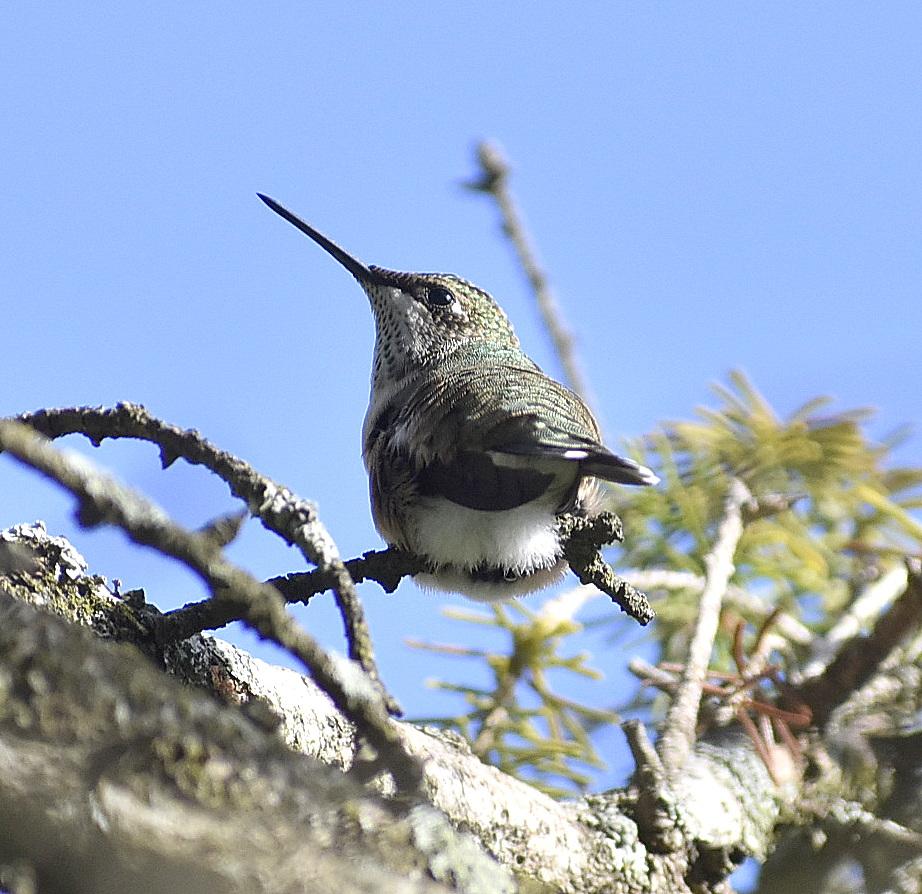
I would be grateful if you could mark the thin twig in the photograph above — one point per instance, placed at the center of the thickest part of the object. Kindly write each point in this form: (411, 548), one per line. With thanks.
(279, 509)
(387, 567)
(872, 602)
(494, 180)
(498, 713)
(681, 720)
(101, 500)
(653, 674)
(860, 657)
(582, 539)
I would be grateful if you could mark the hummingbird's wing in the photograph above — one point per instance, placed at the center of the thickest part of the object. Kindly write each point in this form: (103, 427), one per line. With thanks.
(494, 432)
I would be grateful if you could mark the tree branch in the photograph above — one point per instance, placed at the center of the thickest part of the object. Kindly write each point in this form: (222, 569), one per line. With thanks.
(386, 567)
(861, 656)
(870, 605)
(115, 777)
(582, 539)
(681, 720)
(102, 501)
(494, 180)
(588, 846)
(281, 511)
(750, 603)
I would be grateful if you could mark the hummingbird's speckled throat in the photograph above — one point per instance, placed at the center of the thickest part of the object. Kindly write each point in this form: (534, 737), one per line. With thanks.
(471, 450)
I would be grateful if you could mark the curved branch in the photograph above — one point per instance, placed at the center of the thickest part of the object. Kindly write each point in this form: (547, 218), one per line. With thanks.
(116, 777)
(67, 699)
(582, 539)
(103, 501)
(279, 509)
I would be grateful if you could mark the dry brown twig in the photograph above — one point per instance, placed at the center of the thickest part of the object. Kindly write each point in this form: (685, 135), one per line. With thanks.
(493, 180)
(770, 721)
(689, 682)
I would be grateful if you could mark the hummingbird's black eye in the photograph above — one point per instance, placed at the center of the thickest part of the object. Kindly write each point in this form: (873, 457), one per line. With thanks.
(439, 296)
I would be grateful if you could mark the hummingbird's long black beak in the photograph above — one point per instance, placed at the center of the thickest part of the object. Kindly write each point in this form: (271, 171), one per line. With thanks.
(351, 263)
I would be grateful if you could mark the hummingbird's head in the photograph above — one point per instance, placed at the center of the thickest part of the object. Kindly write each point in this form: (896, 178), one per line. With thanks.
(419, 317)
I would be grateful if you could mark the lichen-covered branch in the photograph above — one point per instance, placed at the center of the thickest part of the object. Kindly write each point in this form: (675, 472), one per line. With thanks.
(103, 501)
(675, 832)
(114, 778)
(659, 835)
(281, 511)
(582, 539)
(588, 846)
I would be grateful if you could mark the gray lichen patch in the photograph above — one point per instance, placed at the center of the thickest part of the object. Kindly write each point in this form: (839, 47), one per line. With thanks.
(116, 761)
(49, 573)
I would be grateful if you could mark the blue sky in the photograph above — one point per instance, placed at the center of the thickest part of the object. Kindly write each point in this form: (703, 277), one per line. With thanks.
(711, 186)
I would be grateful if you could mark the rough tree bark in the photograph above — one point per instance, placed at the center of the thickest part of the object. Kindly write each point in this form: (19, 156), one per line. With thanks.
(114, 776)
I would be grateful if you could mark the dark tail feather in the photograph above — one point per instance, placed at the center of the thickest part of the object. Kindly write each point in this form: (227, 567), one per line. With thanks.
(618, 469)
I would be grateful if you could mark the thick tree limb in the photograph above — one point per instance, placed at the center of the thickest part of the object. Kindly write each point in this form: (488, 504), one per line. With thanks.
(587, 846)
(102, 501)
(723, 806)
(682, 836)
(281, 511)
(115, 778)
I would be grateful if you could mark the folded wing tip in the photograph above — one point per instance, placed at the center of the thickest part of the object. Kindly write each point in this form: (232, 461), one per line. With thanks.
(621, 470)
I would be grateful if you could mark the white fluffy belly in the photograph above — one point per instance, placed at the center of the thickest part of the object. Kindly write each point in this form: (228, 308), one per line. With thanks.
(521, 539)
(495, 554)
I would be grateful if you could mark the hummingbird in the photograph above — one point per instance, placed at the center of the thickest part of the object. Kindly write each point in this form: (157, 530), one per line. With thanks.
(472, 452)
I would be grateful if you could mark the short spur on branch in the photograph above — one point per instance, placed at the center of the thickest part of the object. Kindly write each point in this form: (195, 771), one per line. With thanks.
(472, 451)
